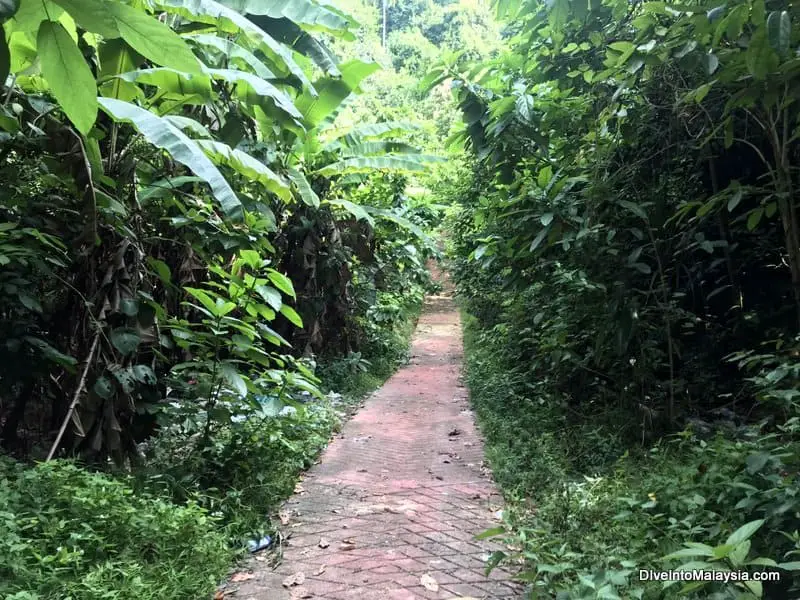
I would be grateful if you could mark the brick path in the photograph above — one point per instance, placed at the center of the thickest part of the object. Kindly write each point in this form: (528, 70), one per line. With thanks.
(398, 497)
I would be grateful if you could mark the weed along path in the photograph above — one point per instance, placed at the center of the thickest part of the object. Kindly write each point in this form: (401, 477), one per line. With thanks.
(392, 509)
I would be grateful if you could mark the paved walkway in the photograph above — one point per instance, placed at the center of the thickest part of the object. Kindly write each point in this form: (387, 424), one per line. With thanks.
(392, 509)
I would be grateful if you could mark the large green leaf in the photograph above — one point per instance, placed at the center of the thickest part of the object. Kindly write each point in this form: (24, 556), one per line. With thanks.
(92, 15)
(366, 164)
(32, 12)
(254, 90)
(303, 187)
(306, 13)
(234, 52)
(187, 124)
(164, 135)
(172, 81)
(289, 33)
(779, 31)
(377, 148)
(228, 20)
(246, 165)
(116, 57)
(153, 39)
(68, 75)
(332, 92)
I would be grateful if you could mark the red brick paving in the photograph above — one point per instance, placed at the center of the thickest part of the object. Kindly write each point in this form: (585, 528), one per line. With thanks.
(400, 494)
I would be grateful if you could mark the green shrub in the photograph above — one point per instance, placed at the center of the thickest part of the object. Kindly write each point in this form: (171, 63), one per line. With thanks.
(245, 470)
(69, 534)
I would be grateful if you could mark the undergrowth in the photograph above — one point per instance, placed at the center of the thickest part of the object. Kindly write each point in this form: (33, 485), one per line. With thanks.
(68, 534)
(171, 529)
(582, 525)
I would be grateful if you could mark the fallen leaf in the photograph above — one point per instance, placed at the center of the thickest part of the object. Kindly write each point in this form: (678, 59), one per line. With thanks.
(298, 489)
(296, 579)
(285, 517)
(320, 571)
(347, 546)
(454, 432)
(323, 543)
(429, 583)
(237, 577)
(220, 595)
(298, 594)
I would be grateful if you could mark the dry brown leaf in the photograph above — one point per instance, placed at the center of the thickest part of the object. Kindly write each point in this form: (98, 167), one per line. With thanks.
(296, 579)
(429, 583)
(220, 595)
(323, 543)
(242, 576)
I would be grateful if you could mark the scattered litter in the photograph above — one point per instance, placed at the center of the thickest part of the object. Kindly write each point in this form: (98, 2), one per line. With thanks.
(429, 583)
(257, 545)
(238, 577)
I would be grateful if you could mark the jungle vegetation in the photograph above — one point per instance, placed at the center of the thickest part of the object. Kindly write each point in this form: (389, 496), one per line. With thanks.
(214, 224)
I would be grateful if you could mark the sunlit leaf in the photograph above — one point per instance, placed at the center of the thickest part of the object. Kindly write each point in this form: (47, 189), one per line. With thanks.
(68, 75)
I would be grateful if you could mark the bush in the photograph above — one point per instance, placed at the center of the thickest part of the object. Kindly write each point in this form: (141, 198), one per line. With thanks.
(585, 525)
(69, 534)
(245, 470)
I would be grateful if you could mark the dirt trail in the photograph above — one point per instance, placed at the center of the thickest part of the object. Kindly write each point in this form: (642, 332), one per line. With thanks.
(392, 509)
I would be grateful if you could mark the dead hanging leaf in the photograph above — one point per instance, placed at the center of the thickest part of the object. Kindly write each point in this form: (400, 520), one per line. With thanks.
(296, 579)
(242, 577)
(429, 583)
(285, 517)
(323, 543)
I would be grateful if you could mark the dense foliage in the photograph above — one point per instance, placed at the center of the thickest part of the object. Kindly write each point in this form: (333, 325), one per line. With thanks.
(197, 245)
(627, 252)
